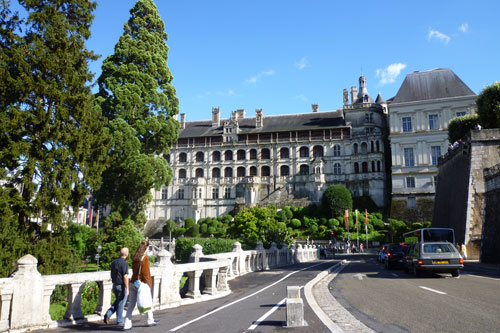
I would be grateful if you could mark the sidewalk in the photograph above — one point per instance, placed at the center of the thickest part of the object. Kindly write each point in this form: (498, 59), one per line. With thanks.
(476, 266)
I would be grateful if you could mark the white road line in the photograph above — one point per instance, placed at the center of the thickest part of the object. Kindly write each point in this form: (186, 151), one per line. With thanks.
(267, 314)
(481, 277)
(394, 274)
(433, 290)
(241, 299)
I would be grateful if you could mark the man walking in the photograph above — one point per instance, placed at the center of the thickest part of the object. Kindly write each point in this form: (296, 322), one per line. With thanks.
(119, 276)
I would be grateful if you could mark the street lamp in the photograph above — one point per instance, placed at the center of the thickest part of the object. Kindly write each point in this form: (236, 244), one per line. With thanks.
(98, 256)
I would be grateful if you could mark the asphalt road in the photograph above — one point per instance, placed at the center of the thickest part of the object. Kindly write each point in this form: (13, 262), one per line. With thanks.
(253, 295)
(393, 301)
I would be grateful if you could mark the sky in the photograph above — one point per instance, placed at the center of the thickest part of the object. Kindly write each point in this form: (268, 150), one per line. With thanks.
(282, 56)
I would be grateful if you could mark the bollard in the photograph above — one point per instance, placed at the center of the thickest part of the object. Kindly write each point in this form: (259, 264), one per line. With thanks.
(294, 307)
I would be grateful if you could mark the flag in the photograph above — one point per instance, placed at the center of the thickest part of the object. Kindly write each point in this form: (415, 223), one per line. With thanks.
(90, 216)
(346, 219)
(366, 220)
(356, 226)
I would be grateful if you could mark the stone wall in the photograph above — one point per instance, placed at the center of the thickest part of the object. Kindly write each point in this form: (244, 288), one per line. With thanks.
(490, 244)
(421, 213)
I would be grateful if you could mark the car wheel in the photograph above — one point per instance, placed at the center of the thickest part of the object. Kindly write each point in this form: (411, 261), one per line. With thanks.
(455, 273)
(416, 271)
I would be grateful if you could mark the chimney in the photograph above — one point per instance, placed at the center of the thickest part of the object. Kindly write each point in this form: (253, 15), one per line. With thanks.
(259, 119)
(315, 107)
(234, 115)
(216, 117)
(354, 94)
(346, 97)
(183, 120)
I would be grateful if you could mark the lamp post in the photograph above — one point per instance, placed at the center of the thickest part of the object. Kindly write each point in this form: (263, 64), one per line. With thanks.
(98, 256)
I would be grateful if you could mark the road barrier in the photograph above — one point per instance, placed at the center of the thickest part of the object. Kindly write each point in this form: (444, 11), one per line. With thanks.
(294, 307)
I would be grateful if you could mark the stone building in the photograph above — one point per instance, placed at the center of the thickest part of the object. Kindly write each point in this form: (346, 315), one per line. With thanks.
(419, 115)
(490, 243)
(220, 164)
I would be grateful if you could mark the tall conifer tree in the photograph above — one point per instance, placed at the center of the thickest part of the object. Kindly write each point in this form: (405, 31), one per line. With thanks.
(53, 140)
(140, 102)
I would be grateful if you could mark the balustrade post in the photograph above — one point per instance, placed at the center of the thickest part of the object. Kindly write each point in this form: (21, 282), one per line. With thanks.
(222, 284)
(74, 309)
(105, 289)
(293, 253)
(298, 254)
(262, 251)
(284, 252)
(47, 293)
(168, 281)
(211, 281)
(194, 284)
(197, 253)
(274, 251)
(5, 301)
(241, 259)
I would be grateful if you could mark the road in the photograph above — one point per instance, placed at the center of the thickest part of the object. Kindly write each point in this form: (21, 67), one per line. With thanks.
(253, 295)
(393, 301)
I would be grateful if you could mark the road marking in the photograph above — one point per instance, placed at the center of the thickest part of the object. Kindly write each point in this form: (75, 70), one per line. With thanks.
(394, 274)
(241, 299)
(481, 277)
(267, 314)
(359, 276)
(433, 290)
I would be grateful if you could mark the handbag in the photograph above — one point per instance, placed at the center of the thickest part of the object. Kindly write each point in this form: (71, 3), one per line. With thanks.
(144, 299)
(137, 283)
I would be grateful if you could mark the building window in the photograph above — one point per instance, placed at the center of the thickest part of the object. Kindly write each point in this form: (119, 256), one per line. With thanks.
(364, 148)
(355, 148)
(215, 193)
(182, 173)
(253, 154)
(227, 193)
(228, 172)
(410, 182)
(182, 157)
(409, 159)
(304, 170)
(435, 180)
(369, 117)
(436, 153)
(228, 155)
(412, 202)
(304, 152)
(378, 166)
(377, 144)
(373, 166)
(407, 124)
(356, 167)
(336, 150)
(200, 192)
(215, 173)
(265, 171)
(433, 122)
(240, 172)
(284, 170)
(253, 171)
(240, 155)
(337, 169)
(216, 156)
(461, 114)
(284, 153)
(199, 173)
(164, 193)
(364, 166)
(265, 154)
(180, 193)
(199, 156)
(317, 151)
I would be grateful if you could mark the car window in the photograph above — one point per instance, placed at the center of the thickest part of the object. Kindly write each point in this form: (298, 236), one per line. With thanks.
(398, 248)
(438, 248)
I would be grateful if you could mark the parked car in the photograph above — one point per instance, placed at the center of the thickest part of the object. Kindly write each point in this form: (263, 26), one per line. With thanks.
(437, 257)
(381, 253)
(395, 255)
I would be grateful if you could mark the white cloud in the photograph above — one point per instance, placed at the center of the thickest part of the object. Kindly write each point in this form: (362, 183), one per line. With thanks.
(302, 63)
(229, 92)
(300, 97)
(464, 27)
(390, 73)
(439, 35)
(259, 76)
(203, 95)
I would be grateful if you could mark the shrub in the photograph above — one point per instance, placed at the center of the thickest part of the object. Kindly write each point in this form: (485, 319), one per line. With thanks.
(295, 223)
(184, 246)
(336, 199)
(178, 232)
(212, 230)
(188, 223)
(169, 226)
(204, 228)
(460, 126)
(488, 106)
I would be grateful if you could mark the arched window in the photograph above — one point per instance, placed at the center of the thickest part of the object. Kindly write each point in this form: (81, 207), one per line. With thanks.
(356, 167)
(240, 155)
(355, 148)
(378, 166)
(373, 166)
(265, 171)
(253, 171)
(336, 150)
(182, 157)
(284, 170)
(228, 155)
(378, 146)
(337, 169)
(182, 173)
(199, 156)
(253, 154)
(228, 172)
(365, 167)
(240, 172)
(364, 148)
(317, 151)
(304, 170)
(317, 170)
(215, 173)
(265, 154)
(199, 173)
(372, 146)
(304, 152)
(284, 153)
(216, 156)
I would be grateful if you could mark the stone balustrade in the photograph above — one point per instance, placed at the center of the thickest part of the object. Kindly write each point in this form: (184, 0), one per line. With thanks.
(25, 296)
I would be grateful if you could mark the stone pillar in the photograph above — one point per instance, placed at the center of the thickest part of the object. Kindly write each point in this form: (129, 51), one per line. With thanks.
(197, 253)
(274, 250)
(74, 309)
(105, 289)
(294, 307)
(211, 281)
(27, 295)
(222, 285)
(298, 254)
(242, 269)
(263, 260)
(194, 284)
(168, 280)
(293, 253)
(47, 293)
(5, 301)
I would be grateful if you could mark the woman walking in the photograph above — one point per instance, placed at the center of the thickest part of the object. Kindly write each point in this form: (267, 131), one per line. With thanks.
(140, 271)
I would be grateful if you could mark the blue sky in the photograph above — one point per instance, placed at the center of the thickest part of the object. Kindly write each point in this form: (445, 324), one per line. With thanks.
(283, 56)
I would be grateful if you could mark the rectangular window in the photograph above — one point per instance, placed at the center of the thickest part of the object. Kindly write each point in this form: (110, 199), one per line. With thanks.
(433, 122)
(407, 124)
(436, 153)
(412, 202)
(227, 193)
(164, 193)
(409, 159)
(180, 193)
(215, 193)
(461, 114)
(410, 182)
(369, 117)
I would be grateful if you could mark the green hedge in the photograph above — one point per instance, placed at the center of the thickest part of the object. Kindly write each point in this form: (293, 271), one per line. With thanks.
(460, 126)
(184, 246)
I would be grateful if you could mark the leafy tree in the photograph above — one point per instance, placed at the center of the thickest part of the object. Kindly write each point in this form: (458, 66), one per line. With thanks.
(189, 223)
(53, 140)
(460, 126)
(81, 239)
(295, 223)
(336, 199)
(488, 106)
(169, 227)
(114, 238)
(139, 100)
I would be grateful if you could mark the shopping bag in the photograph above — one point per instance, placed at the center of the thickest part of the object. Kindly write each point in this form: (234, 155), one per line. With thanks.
(144, 299)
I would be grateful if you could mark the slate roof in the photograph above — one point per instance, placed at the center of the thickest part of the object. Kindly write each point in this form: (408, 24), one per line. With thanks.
(379, 99)
(434, 84)
(280, 123)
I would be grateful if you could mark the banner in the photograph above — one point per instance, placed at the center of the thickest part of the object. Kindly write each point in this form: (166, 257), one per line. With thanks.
(356, 226)
(346, 219)
(366, 220)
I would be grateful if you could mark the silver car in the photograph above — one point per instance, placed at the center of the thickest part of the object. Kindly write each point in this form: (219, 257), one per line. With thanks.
(437, 257)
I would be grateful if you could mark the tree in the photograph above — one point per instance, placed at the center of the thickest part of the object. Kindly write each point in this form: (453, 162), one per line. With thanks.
(460, 126)
(53, 141)
(336, 199)
(488, 106)
(137, 97)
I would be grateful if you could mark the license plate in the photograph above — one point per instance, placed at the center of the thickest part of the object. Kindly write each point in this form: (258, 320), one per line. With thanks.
(441, 262)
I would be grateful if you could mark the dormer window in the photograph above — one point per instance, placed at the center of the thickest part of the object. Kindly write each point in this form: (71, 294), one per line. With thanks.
(365, 99)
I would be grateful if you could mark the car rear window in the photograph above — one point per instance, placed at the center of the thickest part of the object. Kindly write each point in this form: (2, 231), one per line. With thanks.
(398, 248)
(438, 248)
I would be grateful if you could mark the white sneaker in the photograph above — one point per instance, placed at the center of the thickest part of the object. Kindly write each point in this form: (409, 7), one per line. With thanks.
(127, 325)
